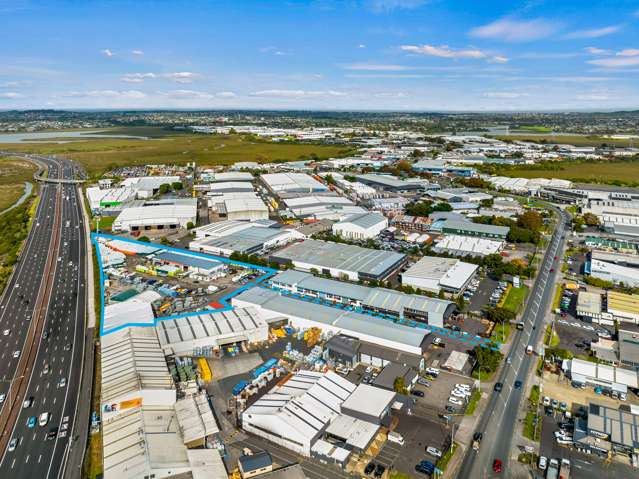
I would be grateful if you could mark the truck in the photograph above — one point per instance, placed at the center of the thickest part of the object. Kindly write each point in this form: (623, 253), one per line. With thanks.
(553, 469)
(564, 469)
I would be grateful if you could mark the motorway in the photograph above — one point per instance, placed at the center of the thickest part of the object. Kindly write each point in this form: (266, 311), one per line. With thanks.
(499, 420)
(43, 308)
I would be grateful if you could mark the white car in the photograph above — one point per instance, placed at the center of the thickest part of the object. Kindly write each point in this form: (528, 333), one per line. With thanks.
(458, 394)
(463, 392)
(43, 419)
(6, 332)
(543, 463)
(455, 401)
(587, 327)
(12, 444)
(62, 382)
(434, 451)
(2, 398)
(16, 354)
(462, 386)
(546, 401)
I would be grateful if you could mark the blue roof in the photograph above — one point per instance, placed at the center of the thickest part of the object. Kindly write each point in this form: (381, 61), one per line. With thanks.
(188, 260)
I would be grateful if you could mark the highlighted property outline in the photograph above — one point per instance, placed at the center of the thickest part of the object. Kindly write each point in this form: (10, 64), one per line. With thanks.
(224, 300)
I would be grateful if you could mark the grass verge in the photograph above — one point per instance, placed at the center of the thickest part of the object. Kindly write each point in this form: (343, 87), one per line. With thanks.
(448, 455)
(473, 402)
(552, 341)
(529, 426)
(14, 228)
(93, 463)
(515, 298)
(501, 333)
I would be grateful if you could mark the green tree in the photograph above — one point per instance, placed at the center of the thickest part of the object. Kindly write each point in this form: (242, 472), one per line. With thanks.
(591, 219)
(399, 385)
(177, 186)
(144, 239)
(190, 225)
(164, 188)
(531, 220)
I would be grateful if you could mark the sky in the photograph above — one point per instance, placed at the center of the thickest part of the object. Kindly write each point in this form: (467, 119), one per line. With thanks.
(405, 55)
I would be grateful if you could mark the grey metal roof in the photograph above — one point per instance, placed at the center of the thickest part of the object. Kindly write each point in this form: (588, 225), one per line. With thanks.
(322, 285)
(341, 256)
(246, 239)
(479, 227)
(391, 371)
(255, 461)
(390, 300)
(364, 220)
(188, 260)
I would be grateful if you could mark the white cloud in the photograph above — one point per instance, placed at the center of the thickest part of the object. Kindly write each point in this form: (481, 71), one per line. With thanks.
(385, 6)
(386, 75)
(504, 94)
(513, 30)
(361, 45)
(297, 93)
(628, 52)
(272, 51)
(498, 59)
(131, 94)
(225, 94)
(593, 97)
(137, 52)
(390, 94)
(10, 84)
(597, 51)
(10, 95)
(593, 33)
(107, 52)
(616, 62)
(188, 94)
(178, 77)
(444, 51)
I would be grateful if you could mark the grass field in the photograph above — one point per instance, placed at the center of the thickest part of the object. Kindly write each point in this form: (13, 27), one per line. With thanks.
(623, 172)
(577, 140)
(532, 128)
(515, 299)
(100, 155)
(13, 173)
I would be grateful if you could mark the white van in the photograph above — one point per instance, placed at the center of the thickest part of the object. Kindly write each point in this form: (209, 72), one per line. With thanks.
(396, 438)
(44, 419)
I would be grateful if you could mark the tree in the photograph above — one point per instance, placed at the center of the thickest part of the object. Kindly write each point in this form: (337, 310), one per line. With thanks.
(190, 225)
(531, 220)
(329, 179)
(488, 358)
(500, 315)
(164, 188)
(177, 186)
(591, 219)
(443, 206)
(399, 385)
(144, 239)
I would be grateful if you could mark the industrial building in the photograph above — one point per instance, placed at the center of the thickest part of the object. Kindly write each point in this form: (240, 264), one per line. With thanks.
(390, 205)
(350, 351)
(612, 379)
(304, 315)
(110, 198)
(148, 186)
(436, 274)
(226, 176)
(206, 267)
(612, 272)
(282, 184)
(374, 300)
(340, 260)
(618, 307)
(226, 237)
(467, 246)
(225, 187)
(319, 414)
(210, 331)
(392, 183)
(361, 226)
(609, 430)
(154, 215)
(628, 343)
(468, 228)
(327, 206)
(411, 223)
(242, 207)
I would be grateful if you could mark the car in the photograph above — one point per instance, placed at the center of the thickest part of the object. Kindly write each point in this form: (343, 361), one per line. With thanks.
(68, 347)
(509, 360)
(62, 383)
(43, 420)
(6, 332)
(451, 409)
(370, 467)
(13, 444)
(16, 354)
(379, 470)
(498, 387)
(563, 406)
(555, 404)
(458, 394)
(52, 434)
(456, 401)
(31, 422)
(2, 398)
(423, 382)
(477, 437)
(45, 370)
(552, 270)
(564, 441)
(27, 402)
(548, 410)
(418, 393)
(462, 386)
(517, 384)
(546, 401)
(433, 451)
(543, 463)
(424, 469)
(497, 465)
(587, 327)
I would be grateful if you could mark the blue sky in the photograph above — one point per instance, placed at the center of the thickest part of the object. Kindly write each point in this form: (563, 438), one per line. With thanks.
(422, 55)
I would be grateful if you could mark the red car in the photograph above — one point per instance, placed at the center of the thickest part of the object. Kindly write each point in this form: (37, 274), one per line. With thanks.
(497, 465)
(552, 270)
(555, 257)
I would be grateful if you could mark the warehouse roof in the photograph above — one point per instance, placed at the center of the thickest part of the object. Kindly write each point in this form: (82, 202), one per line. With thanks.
(188, 260)
(389, 181)
(602, 372)
(147, 183)
(449, 272)
(243, 204)
(369, 400)
(231, 185)
(363, 220)
(195, 417)
(623, 303)
(469, 245)
(132, 247)
(230, 176)
(119, 314)
(308, 281)
(156, 210)
(355, 432)
(284, 182)
(391, 300)
(589, 302)
(621, 424)
(132, 360)
(249, 239)
(348, 322)
(341, 256)
(479, 227)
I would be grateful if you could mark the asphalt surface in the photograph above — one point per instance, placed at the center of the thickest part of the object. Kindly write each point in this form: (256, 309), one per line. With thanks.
(64, 322)
(499, 420)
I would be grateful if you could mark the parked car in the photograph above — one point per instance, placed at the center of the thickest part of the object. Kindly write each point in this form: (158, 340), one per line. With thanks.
(497, 465)
(418, 393)
(434, 451)
(370, 467)
(498, 387)
(543, 463)
(455, 401)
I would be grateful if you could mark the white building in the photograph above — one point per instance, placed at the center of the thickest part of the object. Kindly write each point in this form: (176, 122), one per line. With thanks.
(242, 208)
(108, 197)
(282, 183)
(169, 214)
(361, 226)
(458, 245)
(435, 274)
(613, 272)
(147, 186)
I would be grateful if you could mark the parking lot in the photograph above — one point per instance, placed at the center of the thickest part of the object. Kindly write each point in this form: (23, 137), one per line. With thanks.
(433, 404)
(481, 297)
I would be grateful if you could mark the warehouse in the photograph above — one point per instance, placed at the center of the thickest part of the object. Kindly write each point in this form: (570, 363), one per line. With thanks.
(241, 237)
(410, 306)
(327, 206)
(210, 331)
(612, 272)
(610, 378)
(350, 352)
(137, 309)
(148, 186)
(441, 167)
(282, 184)
(319, 414)
(108, 198)
(247, 208)
(341, 260)
(436, 274)
(467, 228)
(169, 214)
(305, 315)
(464, 245)
(226, 176)
(611, 429)
(361, 226)
(190, 263)
(226, 187)
(390, 205)
(392, 183)
(623, 307)
(589, 308)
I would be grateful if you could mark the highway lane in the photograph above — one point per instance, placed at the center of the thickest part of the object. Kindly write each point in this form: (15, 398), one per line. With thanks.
(499, 421)
(61, 351)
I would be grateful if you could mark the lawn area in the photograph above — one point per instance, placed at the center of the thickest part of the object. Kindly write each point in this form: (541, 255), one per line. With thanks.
(548, 341)
(529, 426)
(13, 173)
(445, 459)
(557, 297)
(501, 333)
(100, 155)
(104, 223)
(577, 140)
(14, 228)
(533, 128)
(473, 402)
(515, 298)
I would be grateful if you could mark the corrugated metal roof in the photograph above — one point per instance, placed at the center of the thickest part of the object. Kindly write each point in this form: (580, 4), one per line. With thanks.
(364, 220)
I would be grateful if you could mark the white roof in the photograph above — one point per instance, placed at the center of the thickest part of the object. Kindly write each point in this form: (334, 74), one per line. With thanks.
(195, 418)
(230, 185)
(283, 182)
(131, 310)
(159, 211)
(468, 244)
(332, 451)
(603, 372)
(244, 204)
(136, 247)
(456, 361)
(231, 176)
(369, 400)
(356, 432)
(147, 183)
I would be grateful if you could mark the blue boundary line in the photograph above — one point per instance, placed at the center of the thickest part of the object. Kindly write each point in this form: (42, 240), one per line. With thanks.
(224, 300)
